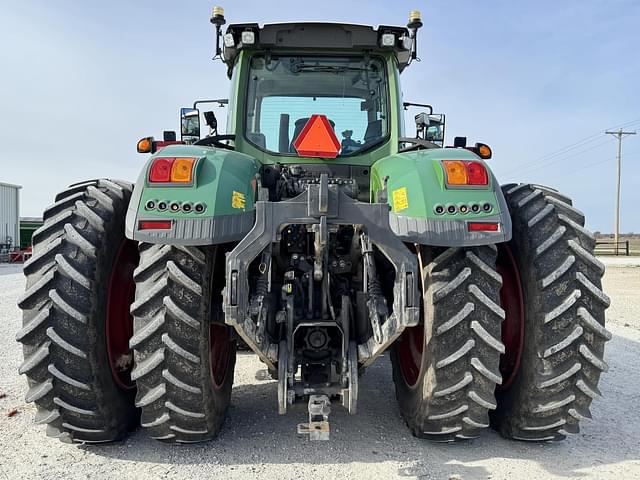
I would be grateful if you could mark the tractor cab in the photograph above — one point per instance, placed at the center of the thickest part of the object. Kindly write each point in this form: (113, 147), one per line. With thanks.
(338, 83)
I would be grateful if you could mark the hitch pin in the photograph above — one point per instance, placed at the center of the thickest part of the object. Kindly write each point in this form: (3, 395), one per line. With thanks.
(318, 426)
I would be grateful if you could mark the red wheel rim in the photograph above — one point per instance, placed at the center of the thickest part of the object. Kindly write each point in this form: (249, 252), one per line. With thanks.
(219, 354)
(410, 352)
(119, 322)
(511, 298)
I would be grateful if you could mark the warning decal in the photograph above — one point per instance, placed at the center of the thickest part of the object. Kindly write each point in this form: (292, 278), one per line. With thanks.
(237, 200)
(400, 200)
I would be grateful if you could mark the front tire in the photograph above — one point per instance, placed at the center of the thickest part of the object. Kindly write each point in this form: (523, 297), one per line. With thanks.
(184, 358)
(446, 369)
(562, 354)
(79, 287)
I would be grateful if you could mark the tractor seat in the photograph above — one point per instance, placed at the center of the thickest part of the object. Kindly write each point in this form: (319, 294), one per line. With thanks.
(299, 125)
(373, 131)
(257, 139)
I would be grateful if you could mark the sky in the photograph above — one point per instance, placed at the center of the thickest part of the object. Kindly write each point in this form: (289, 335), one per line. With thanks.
(540, 82)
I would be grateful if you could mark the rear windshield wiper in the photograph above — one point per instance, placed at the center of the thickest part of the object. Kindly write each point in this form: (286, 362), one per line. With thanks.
(328, 68)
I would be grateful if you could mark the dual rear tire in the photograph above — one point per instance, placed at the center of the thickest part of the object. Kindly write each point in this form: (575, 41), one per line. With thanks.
(79, 337)
(535, 310)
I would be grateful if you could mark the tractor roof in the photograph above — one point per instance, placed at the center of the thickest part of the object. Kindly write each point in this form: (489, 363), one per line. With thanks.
(315, 36)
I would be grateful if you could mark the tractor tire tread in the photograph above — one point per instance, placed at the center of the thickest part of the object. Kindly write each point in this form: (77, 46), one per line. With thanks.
(74, 396)
(170, 342)
(565, 335)
(462, 287)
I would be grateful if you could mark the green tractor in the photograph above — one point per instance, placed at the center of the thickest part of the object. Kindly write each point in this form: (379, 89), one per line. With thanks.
(318, 234)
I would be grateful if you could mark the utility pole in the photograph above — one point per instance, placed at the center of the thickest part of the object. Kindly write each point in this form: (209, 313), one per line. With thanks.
(619, 135)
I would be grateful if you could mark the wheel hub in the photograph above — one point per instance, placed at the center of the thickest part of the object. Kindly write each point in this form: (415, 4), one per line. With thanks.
(219, 354)
(511, 298)
(410, 353)
(119, 322)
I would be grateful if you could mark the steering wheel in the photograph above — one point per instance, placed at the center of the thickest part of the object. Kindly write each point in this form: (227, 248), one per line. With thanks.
(216, 141)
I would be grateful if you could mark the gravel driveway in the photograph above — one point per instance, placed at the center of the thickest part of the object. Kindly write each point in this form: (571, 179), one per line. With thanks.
(258, 443)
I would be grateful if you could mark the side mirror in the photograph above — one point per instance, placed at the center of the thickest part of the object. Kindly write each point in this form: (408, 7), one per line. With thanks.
(422, 123)
(435, 130)
(189, 125)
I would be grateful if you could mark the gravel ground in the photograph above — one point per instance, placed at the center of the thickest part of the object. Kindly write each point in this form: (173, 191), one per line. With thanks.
(258, 443)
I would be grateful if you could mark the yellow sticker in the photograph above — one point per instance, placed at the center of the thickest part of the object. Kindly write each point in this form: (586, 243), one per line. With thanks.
(400, 200)
(237, 200)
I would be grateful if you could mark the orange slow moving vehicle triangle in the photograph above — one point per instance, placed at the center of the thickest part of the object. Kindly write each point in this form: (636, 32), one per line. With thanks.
(317, 139)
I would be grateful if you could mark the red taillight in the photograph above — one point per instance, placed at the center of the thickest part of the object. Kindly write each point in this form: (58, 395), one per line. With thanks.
(483, 227)
(477, 174)
(154, 225)
(160, 171)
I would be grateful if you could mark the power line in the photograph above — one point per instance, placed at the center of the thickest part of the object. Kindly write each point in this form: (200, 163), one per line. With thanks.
(587, 166)
(579, 143)
(620, 134)
(550, 161)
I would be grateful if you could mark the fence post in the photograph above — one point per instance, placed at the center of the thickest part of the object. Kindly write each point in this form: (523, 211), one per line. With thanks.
(627, 248)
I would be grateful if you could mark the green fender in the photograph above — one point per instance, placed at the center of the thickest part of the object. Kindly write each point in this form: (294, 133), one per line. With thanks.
(224, 182)
(415, 186)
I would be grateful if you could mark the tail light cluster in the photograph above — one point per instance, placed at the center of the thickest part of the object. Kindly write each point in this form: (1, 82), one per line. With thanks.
(463, 172)
(178, 170)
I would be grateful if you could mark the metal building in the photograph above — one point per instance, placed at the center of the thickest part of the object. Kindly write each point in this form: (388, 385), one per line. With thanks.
(9, 216)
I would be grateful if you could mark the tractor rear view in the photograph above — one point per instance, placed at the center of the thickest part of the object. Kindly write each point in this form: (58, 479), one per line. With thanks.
(319, 235)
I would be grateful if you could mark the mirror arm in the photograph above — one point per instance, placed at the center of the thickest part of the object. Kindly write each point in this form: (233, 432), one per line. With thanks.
(406, 105)
(220, 101)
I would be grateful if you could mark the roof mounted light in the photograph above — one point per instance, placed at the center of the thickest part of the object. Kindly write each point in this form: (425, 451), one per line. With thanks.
(217, 19)
(415, 19)
(414, 24)
(229, 41)
(387, 40)
(248, 37)
(217, 15)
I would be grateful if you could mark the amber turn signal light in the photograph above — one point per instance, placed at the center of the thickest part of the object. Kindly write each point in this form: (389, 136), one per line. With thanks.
(145, 145)
(483, 151)
(456, 172)
(182, 169)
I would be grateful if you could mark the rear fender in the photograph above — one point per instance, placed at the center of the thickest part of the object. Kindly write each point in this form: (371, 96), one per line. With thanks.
(416, 185)
(224, 182)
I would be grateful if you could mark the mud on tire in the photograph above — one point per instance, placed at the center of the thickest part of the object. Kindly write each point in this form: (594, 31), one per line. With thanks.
(446, 369)
(64, 315)
(184, 386)
(564, 333)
